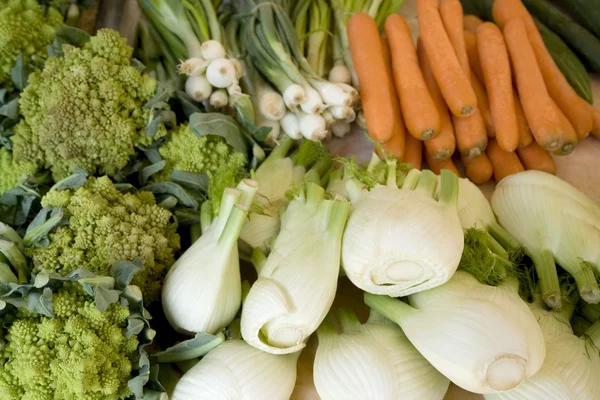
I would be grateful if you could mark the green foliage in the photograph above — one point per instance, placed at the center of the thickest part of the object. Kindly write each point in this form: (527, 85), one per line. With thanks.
(105, 226)
(85, 109)
(13, 172)
(25, 28)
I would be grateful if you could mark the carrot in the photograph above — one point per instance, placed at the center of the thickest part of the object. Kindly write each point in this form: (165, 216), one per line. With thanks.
(451, 12)
(576, 109)
(541, 114)
(596, 128)
(438, 165)
(525, 136)
(470, 133)
(505, 163)
(453, 83)
(418, 109)
(484, 105)
(396, 147)
(473, 54)
(443, 145)
(377, 99)
(570, 134)
(413, 154)
(498, 84)
(472, 22)
(534, 157)
(478, 169)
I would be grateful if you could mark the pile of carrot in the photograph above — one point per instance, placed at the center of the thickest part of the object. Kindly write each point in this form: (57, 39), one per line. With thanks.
(490, 91)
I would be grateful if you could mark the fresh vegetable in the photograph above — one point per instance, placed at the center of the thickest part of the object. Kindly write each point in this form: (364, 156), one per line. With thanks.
(541, 114)
(385, 249)
(498, 84)
(471, 22)
(13, 172)
(452, 16)
(525, 136)
(596, 127)
(534, 157)
(297, 280)
(237, 370)
(473, 54)
(483, 338)
(570, 135)
(585, 12)
(437, 166)
(208, 272)
(418, 109)
(484, 105)
(478, 169)
(471, 134)
(535, 223)
(413, 154)
(372, 360)
(453, 83)
(505, 163)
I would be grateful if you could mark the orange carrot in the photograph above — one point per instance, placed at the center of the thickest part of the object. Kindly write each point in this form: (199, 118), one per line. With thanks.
(596, 128)
(484, 105)
(541, 114)
(470, 133)
(576, 109)
(473, 54)
(471, 22)
(525, 136)
(451, 12)
(498, 84)
(534, 157)
(443, 145)
(478, 169)
(413, 154)
(418, 109)
(396, 147)
(377, 99)
(438, 165)
(505, 163)
(453, 83)
(570, 134)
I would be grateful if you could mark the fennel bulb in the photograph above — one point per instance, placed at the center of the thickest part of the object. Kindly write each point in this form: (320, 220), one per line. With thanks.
(402, 241)
(202, 290)
(298, 280)
(235, 370)
(374, 360)
(483, 338)
(554, 222)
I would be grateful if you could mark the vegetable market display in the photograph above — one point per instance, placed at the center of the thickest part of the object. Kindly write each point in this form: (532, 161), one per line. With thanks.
(173, 226)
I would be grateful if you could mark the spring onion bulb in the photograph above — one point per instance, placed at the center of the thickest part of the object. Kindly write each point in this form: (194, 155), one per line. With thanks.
(340, 74)
(193, 66)
(198, 88)
(289, 124)
(221, 73)
(374, 360)
(234, 89)
(219, 98)
(313, 103)
(239, 68)
(331, 93)
(483, 338)
(402, 241)
(343, 113)
(553, 221)
(294, 95)
(341, 129)
(235, 370)
(312, 126)
(208, 272)
(270, 103)
(297, 282)
(212, 50)
(352, 92)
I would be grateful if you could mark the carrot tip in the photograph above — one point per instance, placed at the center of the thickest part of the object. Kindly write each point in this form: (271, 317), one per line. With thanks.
(427, 134)
(472, 153)
(566, 149)
(554, 145)
(442, 155)
(467, 110)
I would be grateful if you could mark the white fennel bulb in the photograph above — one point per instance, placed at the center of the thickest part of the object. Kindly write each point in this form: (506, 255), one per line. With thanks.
(483, 338)
(235, 370)
(374, 360)
(297, 282)
(553, 221)
(208, 273)
(402, 241)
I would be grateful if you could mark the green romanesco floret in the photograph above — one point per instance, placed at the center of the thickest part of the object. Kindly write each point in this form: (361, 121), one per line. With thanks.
(11, 172)
(81, 353)
(24, 29)
(105, 226)
(85, 109)
(210, 155)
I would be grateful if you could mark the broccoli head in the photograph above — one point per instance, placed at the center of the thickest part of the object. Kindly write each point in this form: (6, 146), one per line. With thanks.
(13, 172)
(105, 226)
(85, 109)
(24, 29)
(81, 353)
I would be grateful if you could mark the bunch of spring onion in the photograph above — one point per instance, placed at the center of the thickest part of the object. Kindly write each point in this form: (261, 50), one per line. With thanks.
(287, 87)
(190, 31)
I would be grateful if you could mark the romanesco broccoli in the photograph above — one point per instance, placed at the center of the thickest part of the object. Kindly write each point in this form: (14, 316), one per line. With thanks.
(105, 226)
(85, 109)
(81, 353)
(24, 29)
(13, 172)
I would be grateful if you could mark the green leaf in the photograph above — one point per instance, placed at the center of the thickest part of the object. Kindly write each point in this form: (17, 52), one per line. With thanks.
(125, 188)
(187, 104)
(150, 170)
(41, 303)
(10, 109)
(71, 35)
(74, 181)
(200, 345)
(124, 271)
(46, 220)
(167, 202)
(219, 125)
(173, 189)
(19, 73)
(191, 180)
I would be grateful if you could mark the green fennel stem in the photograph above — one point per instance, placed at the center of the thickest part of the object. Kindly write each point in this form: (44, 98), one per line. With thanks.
(314, 194)
(427, 183)
(347, 320)
(391, 176)
(495, 247)
(258, 259)
(233, 227)
(586, 282)
(230, 198)
(545, 267)
(338, 218)
(326, 329)
(448, 188)
(502, 236)
(393, 309)
(593, 333)
(206, 215)
(195, 232)
(412, 179)
(591, 312)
